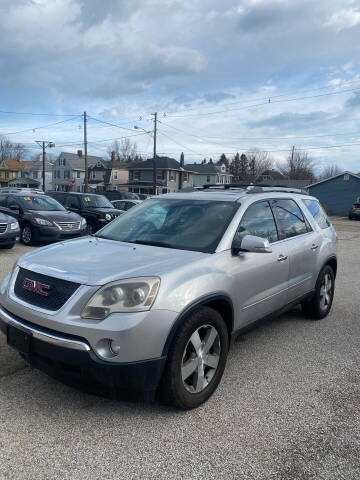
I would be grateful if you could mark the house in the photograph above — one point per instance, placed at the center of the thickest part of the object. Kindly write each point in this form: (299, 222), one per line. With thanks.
(9, 170)
(117, 176)
(30, 175)
(209, 174)
(171, 176)
(98, 175)
(273, 178)
(337, 193)
(69, 171)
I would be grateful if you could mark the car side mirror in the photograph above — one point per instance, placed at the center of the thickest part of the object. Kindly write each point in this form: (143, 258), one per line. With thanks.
(15, 208)
(251, 243)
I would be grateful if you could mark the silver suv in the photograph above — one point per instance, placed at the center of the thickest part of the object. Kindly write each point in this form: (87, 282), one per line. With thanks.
(151, 303)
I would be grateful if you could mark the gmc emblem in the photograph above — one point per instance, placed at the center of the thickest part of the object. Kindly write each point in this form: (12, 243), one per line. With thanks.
(36, 287)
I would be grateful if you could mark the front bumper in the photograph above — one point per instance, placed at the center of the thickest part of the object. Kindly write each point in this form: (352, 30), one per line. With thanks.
(71, 360)
(9, 237)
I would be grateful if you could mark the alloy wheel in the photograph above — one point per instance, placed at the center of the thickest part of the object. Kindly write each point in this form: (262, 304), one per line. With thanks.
(326, 291)
(26, 234)
(200, 358)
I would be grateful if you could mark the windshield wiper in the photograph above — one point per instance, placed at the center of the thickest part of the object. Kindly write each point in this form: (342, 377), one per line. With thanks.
(151, 243)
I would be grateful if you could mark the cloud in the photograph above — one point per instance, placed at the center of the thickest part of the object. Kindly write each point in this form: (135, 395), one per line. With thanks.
(218, 97)
(344, 19)
(292, 121)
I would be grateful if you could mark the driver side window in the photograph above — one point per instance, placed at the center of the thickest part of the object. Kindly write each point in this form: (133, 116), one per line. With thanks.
(258, 220)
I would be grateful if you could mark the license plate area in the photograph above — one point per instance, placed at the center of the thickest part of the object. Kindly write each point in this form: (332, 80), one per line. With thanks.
(19, 339)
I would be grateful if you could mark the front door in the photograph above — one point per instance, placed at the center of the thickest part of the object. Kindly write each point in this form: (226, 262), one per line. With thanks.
(261, 278)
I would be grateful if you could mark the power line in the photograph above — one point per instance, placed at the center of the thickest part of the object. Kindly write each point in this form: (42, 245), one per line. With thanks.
(269, 102)
(38, 114)
(108, 123)
(40, 127)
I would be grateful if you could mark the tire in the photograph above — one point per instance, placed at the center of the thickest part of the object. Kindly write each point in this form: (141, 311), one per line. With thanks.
(320, 305)
(180, 387)
(27, 235)
(90, 228)
(350, 217)
(7, 246)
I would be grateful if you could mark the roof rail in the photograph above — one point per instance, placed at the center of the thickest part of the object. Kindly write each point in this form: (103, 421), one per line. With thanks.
(21, 190)
(256, 188)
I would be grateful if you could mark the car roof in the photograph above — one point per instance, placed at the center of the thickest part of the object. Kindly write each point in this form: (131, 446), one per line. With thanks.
(233, 195)
(77, 193)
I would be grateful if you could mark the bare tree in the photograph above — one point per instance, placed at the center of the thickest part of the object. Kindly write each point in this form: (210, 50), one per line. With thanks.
(10, 150)
(125, 150)
(329, 171)
(298, 166)
(258, 162)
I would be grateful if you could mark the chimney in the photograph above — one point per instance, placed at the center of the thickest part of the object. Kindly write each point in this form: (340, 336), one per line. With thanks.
(182, 160)
(79, 152)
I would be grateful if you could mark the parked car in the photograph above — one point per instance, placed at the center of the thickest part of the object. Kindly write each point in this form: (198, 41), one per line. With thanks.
(9, 231)
(41, 218)
(354, 211)
(96, 209)
(125, 204)
(153, 306)
(119, 195)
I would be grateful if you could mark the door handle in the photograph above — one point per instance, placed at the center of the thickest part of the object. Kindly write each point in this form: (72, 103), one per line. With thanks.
(314, 246)
(282, 258)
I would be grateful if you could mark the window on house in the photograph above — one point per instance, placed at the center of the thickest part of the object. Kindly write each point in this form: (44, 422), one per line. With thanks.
(346, 176)
(185, 177)
(137, 175)
(208, 179)
(35, 174)
(116, 175)
(62, 162)
(77, 174)
(7, 175)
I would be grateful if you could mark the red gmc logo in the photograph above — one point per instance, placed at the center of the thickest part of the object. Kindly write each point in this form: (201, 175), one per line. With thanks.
(36, 287)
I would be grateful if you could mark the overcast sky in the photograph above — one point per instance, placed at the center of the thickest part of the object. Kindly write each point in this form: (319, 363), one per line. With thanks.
(202, 63)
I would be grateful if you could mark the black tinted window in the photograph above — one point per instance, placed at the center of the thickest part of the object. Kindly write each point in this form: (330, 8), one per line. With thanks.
(71, 201)
(289, 217)
(3, 200)
(258, 220)
(12, 202)
(317, 212)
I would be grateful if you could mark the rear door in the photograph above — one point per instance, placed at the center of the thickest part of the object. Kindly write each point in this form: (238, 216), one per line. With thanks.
(261, 278)
(302, 244)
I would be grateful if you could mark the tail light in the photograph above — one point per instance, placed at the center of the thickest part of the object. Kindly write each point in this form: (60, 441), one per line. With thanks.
(352, 208)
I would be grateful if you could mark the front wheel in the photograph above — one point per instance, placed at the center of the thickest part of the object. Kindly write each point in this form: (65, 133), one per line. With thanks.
(196, 360)
(319, 306)
(27, 235)
(7, 245)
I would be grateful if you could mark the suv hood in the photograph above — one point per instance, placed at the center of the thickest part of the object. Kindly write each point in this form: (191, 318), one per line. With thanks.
(96, 261)
(57, 215)
(6, 218)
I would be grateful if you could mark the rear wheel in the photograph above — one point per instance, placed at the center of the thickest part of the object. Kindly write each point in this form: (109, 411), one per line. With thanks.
(27, 235)
(319, 306)
(196, 360)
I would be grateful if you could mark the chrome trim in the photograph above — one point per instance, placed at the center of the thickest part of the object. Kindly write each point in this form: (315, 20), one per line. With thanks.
(3, 228)
(43, 336)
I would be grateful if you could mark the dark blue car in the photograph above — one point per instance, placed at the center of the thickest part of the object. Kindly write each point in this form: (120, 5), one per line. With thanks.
(9, 231)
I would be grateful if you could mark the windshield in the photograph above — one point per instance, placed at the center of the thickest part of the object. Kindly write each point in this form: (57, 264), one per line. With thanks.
(196, 225)
(95, 201)
(40, 203)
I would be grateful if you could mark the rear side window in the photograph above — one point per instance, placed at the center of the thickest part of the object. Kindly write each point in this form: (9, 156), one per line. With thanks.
(3, 200)
(258, 220)
(289, 218)
(71, 201)
(318, 213)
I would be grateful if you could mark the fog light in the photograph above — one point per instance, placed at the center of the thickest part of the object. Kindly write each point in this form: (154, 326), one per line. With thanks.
(107, 348)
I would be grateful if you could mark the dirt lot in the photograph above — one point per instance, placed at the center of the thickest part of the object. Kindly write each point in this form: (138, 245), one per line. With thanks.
(287, 408)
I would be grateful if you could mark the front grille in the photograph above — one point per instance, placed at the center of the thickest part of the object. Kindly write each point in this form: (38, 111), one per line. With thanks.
(59, 290)
(3, 227)
(69, 226)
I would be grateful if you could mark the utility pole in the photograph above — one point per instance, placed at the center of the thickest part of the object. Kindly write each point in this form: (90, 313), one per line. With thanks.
(86, 180)
(44, 145)
(154, 160)
(292, 162)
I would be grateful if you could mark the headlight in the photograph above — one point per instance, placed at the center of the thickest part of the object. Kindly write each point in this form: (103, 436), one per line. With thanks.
(83, 222)
(130, 295)
(14, 226)
(108, 217)
(42, 221)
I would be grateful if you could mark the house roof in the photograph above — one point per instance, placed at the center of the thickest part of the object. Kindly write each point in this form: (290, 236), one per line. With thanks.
(285, 182)
(21, 181)
(78, 163)
(13, 165)
(162, 163)
(37, 165)
(335, 176)
(204, 168)
(274, 174)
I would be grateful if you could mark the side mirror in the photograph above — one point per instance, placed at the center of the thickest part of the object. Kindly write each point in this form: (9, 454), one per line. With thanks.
(251, 243)
(15, 208)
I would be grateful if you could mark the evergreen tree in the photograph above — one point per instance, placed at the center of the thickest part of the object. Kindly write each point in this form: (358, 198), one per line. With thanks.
(235, 168)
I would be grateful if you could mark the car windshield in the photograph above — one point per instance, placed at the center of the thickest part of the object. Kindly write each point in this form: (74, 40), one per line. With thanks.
(42, 203)
(196, 225)
(95, 201)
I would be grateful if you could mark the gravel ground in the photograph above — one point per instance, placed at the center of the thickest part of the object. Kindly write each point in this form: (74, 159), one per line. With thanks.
(287, 407)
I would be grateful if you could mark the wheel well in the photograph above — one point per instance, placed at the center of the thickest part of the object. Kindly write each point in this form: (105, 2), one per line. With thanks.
(333, 264)
(222, 305)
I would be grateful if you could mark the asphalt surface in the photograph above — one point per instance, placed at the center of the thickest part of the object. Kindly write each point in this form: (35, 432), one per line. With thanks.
(286, 409)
